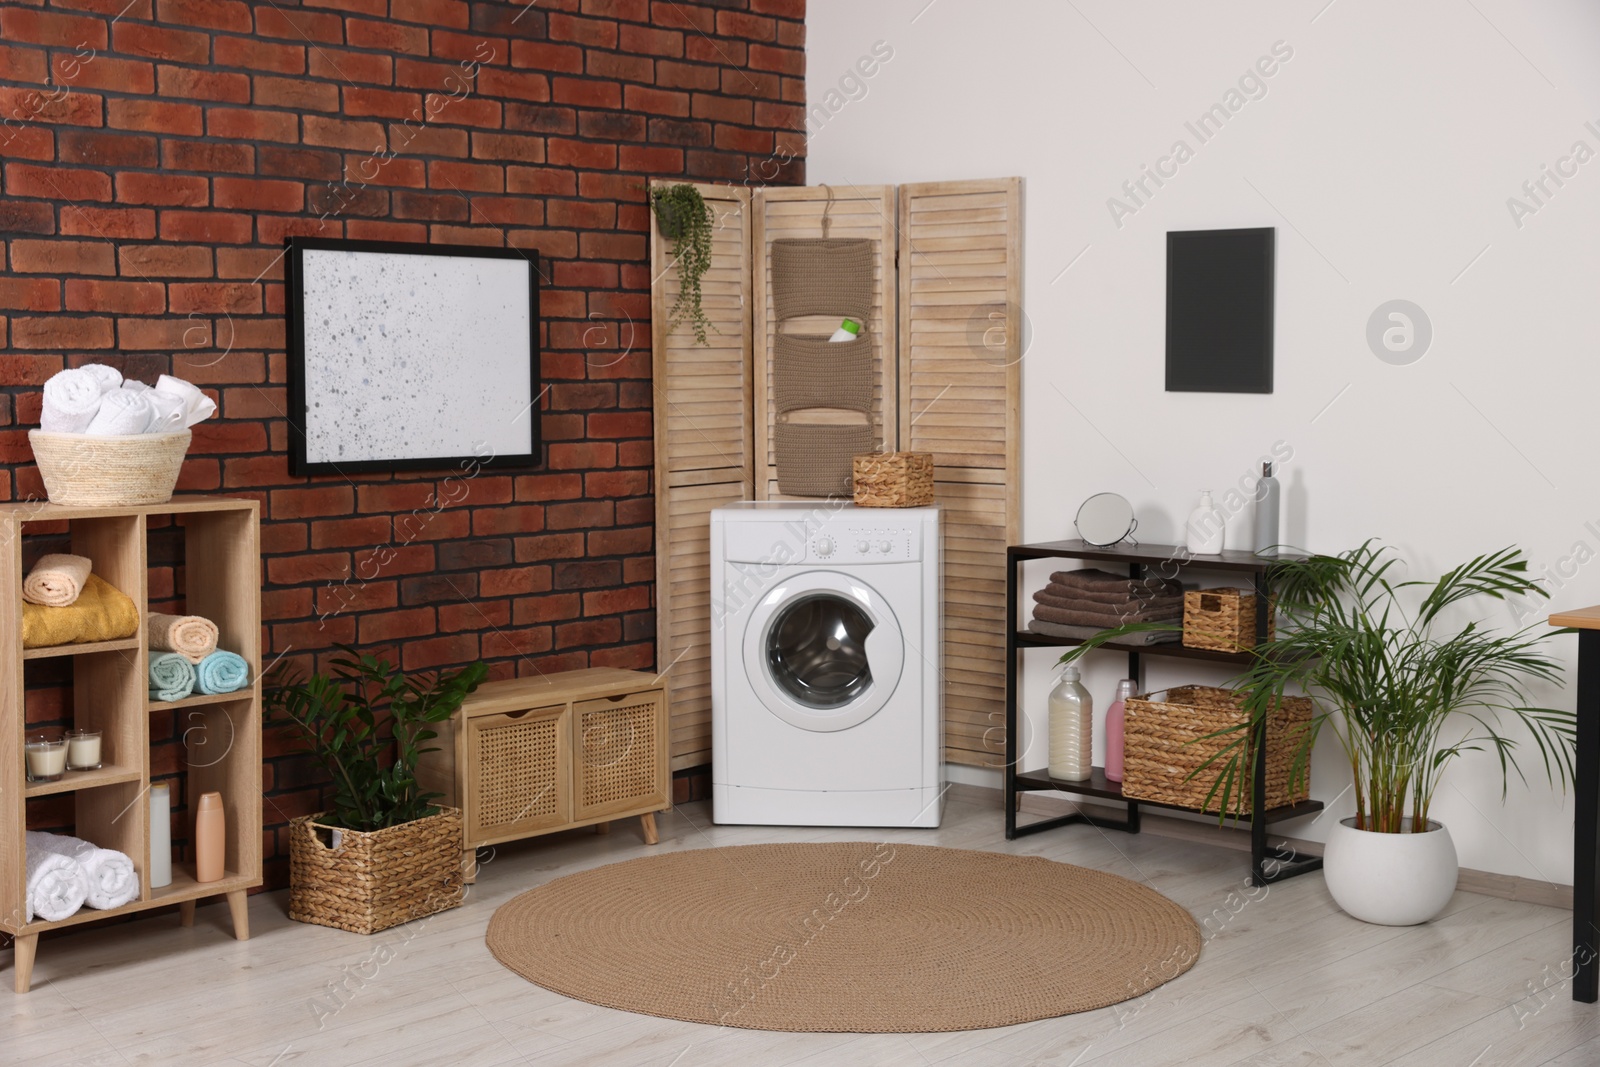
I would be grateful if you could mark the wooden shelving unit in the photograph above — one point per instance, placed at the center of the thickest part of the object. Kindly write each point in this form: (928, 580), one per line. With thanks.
(110, 692)
(1267, 863)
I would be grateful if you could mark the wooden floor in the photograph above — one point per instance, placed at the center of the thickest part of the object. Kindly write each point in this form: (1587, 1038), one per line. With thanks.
(1284, 979)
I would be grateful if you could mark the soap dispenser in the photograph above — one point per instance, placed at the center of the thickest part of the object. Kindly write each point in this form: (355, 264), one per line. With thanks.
(1204, 530)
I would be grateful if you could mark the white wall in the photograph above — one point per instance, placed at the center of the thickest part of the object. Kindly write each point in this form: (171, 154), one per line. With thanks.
(1384, 150)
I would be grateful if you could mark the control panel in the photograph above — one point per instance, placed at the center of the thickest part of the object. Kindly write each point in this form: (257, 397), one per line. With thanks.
(850, 543)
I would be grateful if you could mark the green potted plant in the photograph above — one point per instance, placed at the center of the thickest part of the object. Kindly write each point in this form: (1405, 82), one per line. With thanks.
(683, 217)
(1405, 693)
(383, 853)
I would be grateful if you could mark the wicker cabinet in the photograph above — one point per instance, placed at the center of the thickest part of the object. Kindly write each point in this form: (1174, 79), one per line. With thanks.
(530, 756)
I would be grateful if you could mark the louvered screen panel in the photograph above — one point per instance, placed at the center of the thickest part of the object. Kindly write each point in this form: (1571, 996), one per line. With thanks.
(858, 212)
(960, 284)
(703, 455)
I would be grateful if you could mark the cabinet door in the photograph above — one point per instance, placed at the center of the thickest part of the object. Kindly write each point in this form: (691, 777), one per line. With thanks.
(620, 762)
(517, 776)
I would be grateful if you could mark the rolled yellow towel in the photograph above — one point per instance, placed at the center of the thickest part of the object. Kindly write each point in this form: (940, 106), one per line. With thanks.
(56, 580)
(190, 636)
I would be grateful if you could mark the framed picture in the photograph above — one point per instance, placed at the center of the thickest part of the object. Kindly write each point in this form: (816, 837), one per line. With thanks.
(1220, 310)
(410, 356)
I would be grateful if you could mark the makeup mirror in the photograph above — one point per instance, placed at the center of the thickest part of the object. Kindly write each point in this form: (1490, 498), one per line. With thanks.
(1105, 519)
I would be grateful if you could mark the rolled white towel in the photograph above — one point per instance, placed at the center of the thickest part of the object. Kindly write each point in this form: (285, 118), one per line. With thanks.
(123, 412)
(109, 377)
(133, 385)
(57, 886)
(197, 406)
(110, 874)
(71, 401)
(168, 412)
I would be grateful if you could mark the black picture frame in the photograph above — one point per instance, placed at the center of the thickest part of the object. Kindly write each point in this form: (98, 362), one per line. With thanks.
(1220, 296)
(300, 415)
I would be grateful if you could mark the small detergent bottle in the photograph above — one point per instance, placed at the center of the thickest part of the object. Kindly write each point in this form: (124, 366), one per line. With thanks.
(1071, 729)
(848, 330)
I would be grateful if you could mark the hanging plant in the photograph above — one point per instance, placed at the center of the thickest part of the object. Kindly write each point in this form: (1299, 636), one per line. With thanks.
(683, 218)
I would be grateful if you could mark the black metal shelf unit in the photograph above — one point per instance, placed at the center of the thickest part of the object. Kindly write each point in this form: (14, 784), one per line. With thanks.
(1268, 863)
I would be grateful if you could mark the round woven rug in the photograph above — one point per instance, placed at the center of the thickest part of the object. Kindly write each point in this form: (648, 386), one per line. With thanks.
(856, 937)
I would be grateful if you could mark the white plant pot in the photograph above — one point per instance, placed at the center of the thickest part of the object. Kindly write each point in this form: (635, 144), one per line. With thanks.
(1390, 879)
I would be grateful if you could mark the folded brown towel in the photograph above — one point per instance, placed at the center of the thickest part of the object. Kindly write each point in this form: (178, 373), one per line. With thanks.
(1115, 596)
(1061, 597)
(1083, 633)
(1103, 582)
(1100, 620)
(56, 580)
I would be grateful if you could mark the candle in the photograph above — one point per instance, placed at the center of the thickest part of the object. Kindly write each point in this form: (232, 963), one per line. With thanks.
(83, 750)
(46, 759)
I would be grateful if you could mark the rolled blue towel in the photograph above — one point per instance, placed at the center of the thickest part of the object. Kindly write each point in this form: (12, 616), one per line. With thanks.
(171, 676)
(222, 672)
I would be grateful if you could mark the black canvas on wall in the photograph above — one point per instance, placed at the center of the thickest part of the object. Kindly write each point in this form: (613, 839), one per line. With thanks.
(1219, 310)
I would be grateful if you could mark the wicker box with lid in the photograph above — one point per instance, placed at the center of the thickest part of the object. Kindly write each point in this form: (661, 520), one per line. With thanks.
(530, 756)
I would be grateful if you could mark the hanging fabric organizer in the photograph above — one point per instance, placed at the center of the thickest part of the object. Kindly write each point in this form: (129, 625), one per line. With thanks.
(821, 277)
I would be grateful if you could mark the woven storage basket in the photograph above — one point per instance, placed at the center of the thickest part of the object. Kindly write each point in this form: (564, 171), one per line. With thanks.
(376, 880)
(1223, 620)
(1164, 739)
(86, 469)
(894, 479)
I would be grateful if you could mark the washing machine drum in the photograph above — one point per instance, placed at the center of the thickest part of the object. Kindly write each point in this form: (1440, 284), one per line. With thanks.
(824, 651)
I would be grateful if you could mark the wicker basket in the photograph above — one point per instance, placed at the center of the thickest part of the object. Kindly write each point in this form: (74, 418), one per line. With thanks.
(1165, 740)
(90, 470)
(1223, 620)
(894, 479)
(376, 880)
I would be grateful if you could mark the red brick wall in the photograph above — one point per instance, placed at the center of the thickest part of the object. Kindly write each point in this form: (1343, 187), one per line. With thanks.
(155, 154)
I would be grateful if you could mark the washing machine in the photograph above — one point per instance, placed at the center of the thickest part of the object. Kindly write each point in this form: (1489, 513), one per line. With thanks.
(826, 694)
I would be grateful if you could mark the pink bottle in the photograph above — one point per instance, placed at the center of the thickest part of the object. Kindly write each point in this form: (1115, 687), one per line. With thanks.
(1114, 719)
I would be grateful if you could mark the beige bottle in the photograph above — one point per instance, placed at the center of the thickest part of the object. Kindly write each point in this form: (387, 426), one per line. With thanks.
(210, 838)
(1071, 728)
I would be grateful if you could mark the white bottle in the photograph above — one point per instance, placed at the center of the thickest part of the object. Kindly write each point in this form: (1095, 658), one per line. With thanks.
(1267, 512)
(848, 330)
(160, 834)
(1071, 729)
(1204, 530)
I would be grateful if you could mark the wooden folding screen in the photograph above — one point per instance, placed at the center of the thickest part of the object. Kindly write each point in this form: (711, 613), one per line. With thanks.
(703, 456)
(946, 326)
(960, 398)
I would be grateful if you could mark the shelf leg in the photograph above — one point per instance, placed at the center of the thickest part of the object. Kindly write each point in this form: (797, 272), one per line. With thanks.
(1258, 805)
(239, 911)
(186, 912)
(23, 948)
(1586, 825)
(469, 865)
(647, 823)
(602, 828)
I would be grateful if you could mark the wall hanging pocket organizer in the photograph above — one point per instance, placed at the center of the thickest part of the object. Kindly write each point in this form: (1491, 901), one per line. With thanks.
(813, 372)
(822, 276)
(814, 459)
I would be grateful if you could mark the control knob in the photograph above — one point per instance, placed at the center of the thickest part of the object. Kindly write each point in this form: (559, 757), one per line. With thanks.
(824, 546)
(884, 546)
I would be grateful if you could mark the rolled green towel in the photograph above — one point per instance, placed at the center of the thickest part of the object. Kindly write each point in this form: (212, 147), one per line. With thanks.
(222, 672)
(171, 676)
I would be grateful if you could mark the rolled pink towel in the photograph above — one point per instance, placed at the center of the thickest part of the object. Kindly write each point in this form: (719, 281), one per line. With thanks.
(190, 636)
(56, 580)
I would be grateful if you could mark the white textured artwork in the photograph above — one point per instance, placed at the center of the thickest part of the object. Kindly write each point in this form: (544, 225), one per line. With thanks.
(415, 357)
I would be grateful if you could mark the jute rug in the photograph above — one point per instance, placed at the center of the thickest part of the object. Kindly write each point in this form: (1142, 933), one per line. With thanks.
(856, 937)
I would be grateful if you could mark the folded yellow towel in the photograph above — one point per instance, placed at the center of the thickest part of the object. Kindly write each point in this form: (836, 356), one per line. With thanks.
(101, 613)
(56, 580)
(190, 636)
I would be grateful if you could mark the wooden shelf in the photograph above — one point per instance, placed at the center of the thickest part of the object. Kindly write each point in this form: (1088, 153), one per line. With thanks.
(1174, 649)
(84, 649)
(221, 563)
(183, 888)
(247, 693)
(1100, 786)
(1231, 560)
(110, 774)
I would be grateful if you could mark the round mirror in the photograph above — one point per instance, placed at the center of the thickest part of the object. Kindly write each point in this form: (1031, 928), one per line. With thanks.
(1104, 519)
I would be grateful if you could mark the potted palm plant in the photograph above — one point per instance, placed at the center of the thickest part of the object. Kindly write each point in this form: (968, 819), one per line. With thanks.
(383, 853)
(1405, 694)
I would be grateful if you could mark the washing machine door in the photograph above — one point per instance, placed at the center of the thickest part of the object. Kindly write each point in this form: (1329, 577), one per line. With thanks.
(823, 651)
